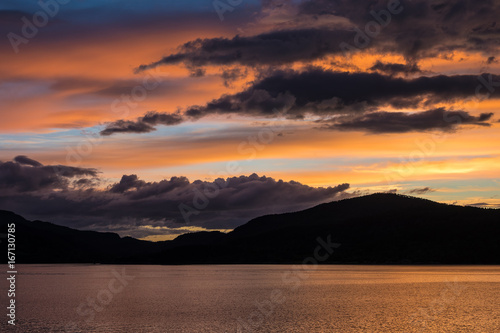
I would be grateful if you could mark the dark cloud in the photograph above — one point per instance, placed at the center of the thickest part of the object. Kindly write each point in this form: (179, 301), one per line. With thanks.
(232, 74)
(321, 91)
(27, 175)
(127, 183)
(86, 182)
(394, 69)
(491, 60)
(197, 72)
(21, 159)
(126, 126)
(421, 190)
(139, 189)
(155, 118)
(423, 28)
(416, 29)
(143, 124)
(272, 48)
(326, 93)
(485, 205)
(172, 203)
(403, 122)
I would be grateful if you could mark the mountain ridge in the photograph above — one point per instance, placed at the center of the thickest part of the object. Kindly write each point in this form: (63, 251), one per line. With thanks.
(380, 228)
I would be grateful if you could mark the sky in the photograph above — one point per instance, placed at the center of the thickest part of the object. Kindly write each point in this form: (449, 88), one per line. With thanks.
(156, 118)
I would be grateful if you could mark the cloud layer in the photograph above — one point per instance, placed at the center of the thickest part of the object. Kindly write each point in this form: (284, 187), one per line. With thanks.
(273, 48)
(413, 29)
(27, 175)
(133, 206)
(401, 122)
(324, 93)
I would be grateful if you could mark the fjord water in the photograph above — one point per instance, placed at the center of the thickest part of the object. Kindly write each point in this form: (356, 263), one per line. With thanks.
(256, 298)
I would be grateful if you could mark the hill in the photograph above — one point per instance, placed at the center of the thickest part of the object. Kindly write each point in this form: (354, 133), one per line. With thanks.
(374, 229)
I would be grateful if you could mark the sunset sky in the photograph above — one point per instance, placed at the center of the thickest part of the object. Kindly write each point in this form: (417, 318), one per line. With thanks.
(155, 118)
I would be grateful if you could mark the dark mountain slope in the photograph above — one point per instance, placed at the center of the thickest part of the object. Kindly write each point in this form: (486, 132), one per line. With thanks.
(379, 228)
(43, 242)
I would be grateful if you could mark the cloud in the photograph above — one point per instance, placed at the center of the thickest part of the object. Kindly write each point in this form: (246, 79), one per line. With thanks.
(485, 205)
(403, 122)
(423, 28)
(133, 203)
(394, 69)
(27, 175)
(21, 159)
(421, 190)
(127, 183)
(232, 74)
(273, 48)
(143, 124)
(416, 29)
(491, 60)
(126, 126)
(325, 93)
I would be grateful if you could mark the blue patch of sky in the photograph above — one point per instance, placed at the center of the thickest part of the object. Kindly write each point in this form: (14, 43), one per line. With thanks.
(139, 7)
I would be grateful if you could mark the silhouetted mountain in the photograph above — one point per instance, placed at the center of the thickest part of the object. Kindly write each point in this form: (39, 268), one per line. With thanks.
(43, 242)
(378, 228)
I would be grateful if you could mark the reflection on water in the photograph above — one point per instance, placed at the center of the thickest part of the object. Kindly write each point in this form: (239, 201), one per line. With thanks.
(257, 298)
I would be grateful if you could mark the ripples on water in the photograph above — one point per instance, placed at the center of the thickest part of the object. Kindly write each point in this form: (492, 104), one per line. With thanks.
(260, 298)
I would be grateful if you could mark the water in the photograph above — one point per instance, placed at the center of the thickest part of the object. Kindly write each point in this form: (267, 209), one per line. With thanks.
(260, 298)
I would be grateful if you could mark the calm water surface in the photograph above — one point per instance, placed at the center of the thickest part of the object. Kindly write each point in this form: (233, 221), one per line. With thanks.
(257, 298)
